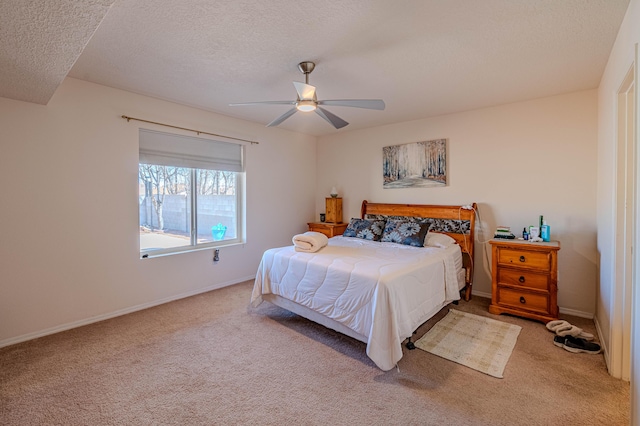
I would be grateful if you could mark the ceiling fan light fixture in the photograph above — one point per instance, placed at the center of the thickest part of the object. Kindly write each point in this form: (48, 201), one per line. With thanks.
(307, 101)
(306, 106)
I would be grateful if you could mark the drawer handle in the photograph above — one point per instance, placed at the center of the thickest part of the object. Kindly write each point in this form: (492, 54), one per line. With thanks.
(521, 279)
(523, 300)
(522, 259)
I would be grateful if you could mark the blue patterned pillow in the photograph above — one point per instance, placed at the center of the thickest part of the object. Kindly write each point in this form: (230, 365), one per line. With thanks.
(405, 232)
(365, 229)
(440, 225)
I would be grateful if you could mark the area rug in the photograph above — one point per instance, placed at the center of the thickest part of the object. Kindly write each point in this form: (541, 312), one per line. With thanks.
(477, 342)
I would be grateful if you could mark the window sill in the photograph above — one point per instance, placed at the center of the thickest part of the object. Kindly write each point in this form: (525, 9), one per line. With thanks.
(169, 252)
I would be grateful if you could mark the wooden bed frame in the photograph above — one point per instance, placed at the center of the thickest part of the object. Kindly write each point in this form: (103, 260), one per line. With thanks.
(465, 241)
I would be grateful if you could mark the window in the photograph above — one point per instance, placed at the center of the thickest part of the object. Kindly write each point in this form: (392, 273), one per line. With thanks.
(190, 193)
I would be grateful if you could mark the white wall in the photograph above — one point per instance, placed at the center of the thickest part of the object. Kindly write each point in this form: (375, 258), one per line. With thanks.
(78, 259)
(620, 60)
(517, 161)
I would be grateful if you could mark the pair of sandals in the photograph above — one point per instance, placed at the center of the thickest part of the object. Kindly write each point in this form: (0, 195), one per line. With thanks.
(563, 328)
(572, 338)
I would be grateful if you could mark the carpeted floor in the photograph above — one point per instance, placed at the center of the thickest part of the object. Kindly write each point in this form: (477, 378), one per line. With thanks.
(210, 360)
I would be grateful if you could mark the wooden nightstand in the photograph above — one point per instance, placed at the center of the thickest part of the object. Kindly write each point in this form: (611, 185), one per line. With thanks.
(328, 229)
(525, 279)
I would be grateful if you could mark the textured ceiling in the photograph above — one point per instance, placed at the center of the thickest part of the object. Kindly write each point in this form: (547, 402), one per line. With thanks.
(40, 42)
(423, 57)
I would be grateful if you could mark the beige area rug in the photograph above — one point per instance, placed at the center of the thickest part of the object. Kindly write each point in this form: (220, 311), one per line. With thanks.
(477, 342)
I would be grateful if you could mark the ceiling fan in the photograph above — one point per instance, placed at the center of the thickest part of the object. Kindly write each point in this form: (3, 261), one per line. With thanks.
(307, 101)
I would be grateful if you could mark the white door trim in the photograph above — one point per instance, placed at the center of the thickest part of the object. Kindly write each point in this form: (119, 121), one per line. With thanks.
(635, 292)
(625, 234)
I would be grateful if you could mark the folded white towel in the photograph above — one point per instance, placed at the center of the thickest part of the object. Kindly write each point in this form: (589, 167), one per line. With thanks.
(309, 242)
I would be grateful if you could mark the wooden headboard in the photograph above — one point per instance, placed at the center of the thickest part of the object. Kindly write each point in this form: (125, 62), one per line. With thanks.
(456, 213)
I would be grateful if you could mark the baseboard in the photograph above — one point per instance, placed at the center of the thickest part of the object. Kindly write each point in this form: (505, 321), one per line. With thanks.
(120, 312)
(576, 313)
(480, 294)
(566, 311)
(603, 344)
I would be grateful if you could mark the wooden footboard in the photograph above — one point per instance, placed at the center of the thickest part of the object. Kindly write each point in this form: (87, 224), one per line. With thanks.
(461, 229)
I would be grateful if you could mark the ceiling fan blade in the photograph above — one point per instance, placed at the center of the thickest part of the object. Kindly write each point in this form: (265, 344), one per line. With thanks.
(282, 117)
(336, 121)
(355, 103)
(305, 91)
(265, 102)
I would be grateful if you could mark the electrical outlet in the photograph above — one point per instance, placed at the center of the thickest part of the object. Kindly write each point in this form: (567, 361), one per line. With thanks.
(216, 255)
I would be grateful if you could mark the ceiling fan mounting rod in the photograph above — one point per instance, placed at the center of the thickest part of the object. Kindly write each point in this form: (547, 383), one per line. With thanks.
(305, 68)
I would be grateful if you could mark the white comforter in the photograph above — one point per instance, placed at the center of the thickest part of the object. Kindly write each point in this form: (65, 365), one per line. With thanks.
(380, 290)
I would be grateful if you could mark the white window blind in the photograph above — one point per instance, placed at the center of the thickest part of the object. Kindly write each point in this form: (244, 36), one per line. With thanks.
(186, 151)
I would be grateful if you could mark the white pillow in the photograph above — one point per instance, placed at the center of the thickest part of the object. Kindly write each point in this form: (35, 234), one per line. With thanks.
(435, 239)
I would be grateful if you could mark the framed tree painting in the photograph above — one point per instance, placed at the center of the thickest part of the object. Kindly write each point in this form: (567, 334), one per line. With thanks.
(418, 164)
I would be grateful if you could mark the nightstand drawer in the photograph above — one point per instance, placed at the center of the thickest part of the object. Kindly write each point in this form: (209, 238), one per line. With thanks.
(328, 229)
(522, 278)
(525, 259)
(523, 300)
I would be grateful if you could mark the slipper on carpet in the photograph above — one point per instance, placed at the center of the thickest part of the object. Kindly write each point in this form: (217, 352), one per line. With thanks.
(576, 345)
(554, 325)
(574, 331)
(563, 328)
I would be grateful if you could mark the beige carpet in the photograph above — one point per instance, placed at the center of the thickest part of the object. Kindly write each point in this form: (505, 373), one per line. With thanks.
(477, 342)
(208, 360)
